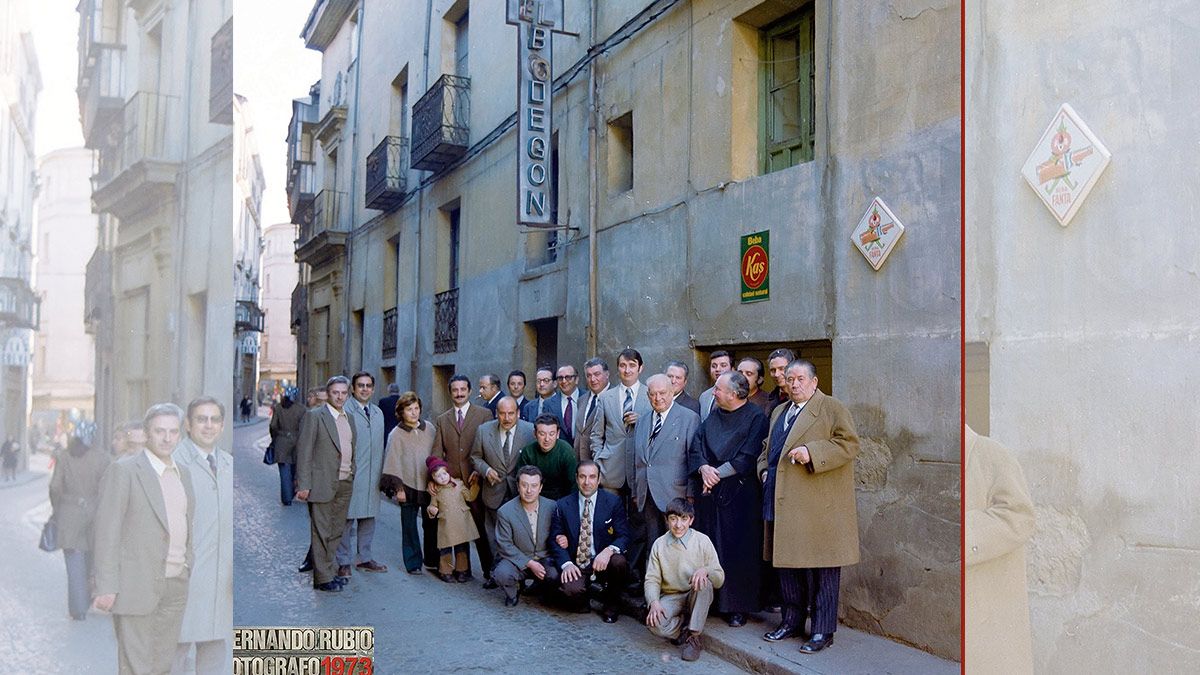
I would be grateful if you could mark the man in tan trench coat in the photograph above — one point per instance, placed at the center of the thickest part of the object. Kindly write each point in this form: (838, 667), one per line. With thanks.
(807, 469)
(998, 527)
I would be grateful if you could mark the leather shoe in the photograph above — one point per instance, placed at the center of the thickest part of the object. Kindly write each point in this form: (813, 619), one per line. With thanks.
(329, 587)
(490, 583)
(510, 602)
(818, 642)
(609, 616)
(343, 571)
(445, 577)
(737, 620)
(463, 577)
(691, 647)
(781, 633)
(306, 567)
(416, 571)
(371, 566)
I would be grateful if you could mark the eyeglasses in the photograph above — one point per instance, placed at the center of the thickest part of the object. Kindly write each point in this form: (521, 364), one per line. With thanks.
(566, 377)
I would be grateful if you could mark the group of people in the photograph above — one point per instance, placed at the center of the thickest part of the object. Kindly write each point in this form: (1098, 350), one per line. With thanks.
(147, 535)
(735, 501)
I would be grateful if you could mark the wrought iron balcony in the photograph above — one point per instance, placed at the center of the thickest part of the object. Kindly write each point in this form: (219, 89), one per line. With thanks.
(247, 315)
(299, 321)
(301, 189)
(147, 122)
(441, 123)
(387, 173)
(19, 305)
(324, 235)
(389, 333)
(143, 169)
(445, 322)
(97, 290)
(101, 91)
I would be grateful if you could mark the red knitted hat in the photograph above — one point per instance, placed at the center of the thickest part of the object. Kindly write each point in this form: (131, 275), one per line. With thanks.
(432, 463)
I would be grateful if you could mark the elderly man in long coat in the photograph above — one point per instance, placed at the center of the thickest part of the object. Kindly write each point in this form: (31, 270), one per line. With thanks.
(807, 469)
(208, 617)
(369, 446)
(728, 503)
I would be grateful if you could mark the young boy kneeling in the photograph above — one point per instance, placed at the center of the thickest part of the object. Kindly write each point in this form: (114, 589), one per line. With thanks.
(681, 573)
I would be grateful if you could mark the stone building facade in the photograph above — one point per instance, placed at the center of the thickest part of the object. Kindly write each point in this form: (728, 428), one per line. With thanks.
(1081, 340)
(712, 120)
(277, 352)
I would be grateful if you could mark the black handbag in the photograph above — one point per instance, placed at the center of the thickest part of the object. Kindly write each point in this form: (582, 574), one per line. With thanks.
(269, 455)
(49, 539)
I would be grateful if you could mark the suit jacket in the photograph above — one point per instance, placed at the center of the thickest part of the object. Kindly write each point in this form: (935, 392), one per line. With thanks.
(661, 464)
(453, 445)
(487, 452)
(515, 542)
(610, 449)
(369, 447)
(824, 486)
(209, 612)
(131, 535)
(388, 405)
(317, 454)
(707, 400)
(529, 411)
(688, 401)
(609, 525)
(583, 430)
(555, 405)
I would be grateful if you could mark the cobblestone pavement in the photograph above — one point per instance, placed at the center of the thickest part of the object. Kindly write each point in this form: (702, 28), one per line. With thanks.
(421, 624)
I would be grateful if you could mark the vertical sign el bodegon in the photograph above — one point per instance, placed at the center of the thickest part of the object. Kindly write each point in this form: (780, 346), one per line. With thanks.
(536, 20)
(756, 267)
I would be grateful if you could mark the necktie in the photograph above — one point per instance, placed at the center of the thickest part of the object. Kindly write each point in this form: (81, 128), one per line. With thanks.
(212, 461)
(587, 419)
(628, 407)
(568, 416)
(507, 445)
(658, 421)
(367, 412)
(791, 418)
(459, 423)
(583, 553)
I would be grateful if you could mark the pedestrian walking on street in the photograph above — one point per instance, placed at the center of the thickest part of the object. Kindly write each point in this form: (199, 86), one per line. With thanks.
(285, 431)
(404, 479)
(74, 494)
(456, 527)
(8, 458)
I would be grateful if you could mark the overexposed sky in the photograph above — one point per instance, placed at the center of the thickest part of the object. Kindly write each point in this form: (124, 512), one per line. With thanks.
(270, 68)
(56, 37)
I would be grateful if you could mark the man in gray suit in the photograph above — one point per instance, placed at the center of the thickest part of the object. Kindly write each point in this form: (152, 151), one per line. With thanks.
(660, 445)
(719, 363)
(367, 419)
(324, 478)
(677, 373)
(143, 546)
(208, 619)
(618, 410)
(595, 373)
(494, 455)
(522, 534)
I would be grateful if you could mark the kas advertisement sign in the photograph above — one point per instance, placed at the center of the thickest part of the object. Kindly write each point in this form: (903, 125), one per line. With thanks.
(756, 266)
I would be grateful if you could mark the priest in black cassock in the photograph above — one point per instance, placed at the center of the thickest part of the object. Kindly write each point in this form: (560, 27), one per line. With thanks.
(721, 464)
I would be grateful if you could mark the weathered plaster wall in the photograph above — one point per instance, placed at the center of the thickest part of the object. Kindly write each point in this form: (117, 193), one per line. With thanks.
(1093, 329)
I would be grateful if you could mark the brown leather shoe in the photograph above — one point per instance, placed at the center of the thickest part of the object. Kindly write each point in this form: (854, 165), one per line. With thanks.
(371, 566)
(690, 651)
(344, 571)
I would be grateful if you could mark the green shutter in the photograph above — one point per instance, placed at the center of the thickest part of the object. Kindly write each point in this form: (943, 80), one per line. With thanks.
(787, 125)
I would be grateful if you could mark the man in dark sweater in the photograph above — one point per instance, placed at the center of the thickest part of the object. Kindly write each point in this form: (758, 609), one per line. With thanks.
(553, 456)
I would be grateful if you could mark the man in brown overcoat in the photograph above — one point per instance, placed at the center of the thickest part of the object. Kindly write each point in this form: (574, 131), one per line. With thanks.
(456, 429)
(807, 469)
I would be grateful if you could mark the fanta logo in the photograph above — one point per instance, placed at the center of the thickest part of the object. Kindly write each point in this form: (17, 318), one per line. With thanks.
(754, 266)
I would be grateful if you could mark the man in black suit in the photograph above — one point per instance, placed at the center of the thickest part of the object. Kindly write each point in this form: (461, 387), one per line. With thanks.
(516, 388)
(536, 407)
(564, 404)
(388, 405)
(489, 392)
(591, 533)
(677, 373)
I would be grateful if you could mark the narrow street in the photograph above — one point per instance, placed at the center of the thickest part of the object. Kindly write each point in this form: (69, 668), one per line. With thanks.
(421, 624)
(37, 635)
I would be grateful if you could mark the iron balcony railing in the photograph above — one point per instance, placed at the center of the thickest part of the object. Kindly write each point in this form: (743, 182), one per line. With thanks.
(441, 123)
(445, 322)
(147, 125)
(300, 312)
(387, 173)
(97, 288)
(247, 315)
(329, 215)
(19, 305)
(301, 188)
(389, 333)
(101, 90)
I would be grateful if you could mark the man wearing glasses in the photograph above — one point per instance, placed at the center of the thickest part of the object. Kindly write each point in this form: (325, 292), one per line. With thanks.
(564, 404)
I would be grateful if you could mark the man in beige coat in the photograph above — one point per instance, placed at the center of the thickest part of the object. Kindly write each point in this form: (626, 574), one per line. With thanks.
(807, 469)
(143, 546)
(999, 523)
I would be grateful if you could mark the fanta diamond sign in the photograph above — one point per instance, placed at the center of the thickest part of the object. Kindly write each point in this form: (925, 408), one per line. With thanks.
(756, 266)
(877, 233)
(1065, 164)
